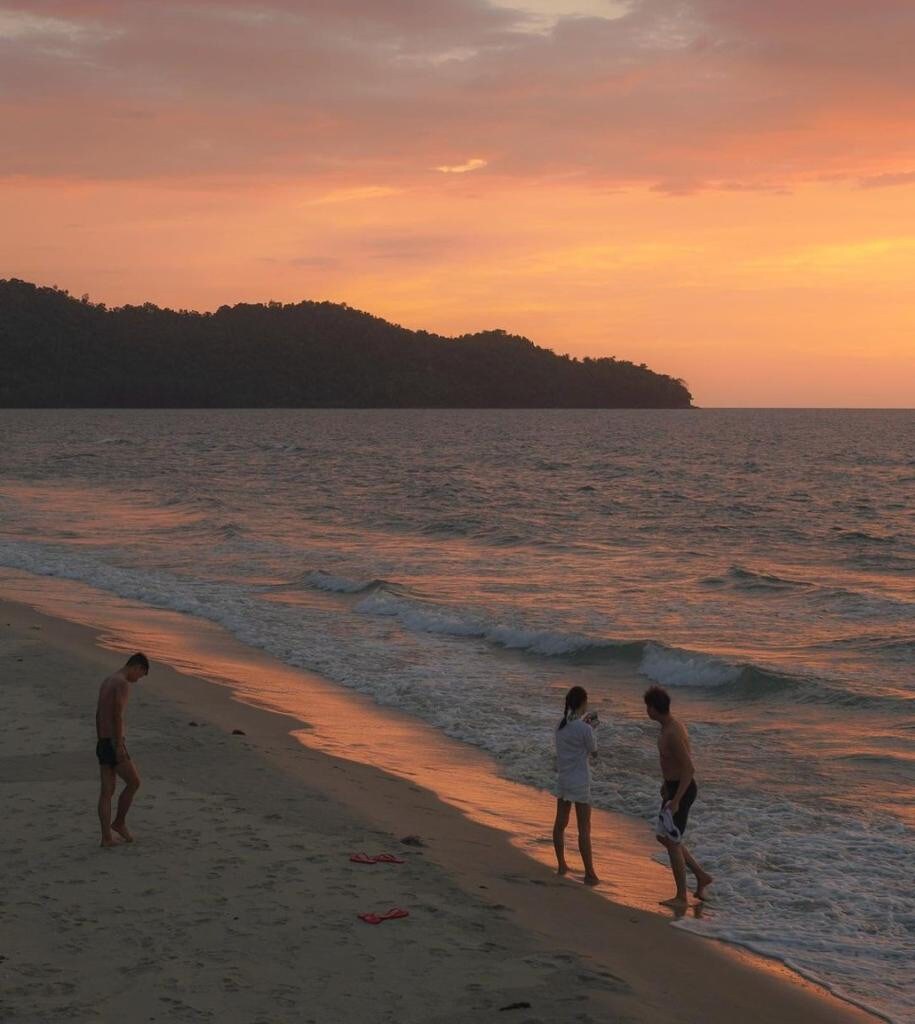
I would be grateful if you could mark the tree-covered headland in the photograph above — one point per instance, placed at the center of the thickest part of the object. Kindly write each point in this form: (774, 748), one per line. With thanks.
(60, 351)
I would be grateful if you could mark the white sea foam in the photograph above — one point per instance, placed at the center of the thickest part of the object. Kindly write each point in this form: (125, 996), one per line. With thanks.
(429, 618)
(336, 584)
(683, 668)
(538, 641)
(419, 618)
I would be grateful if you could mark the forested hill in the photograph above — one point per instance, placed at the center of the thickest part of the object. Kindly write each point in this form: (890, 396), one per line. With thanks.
(58, 351)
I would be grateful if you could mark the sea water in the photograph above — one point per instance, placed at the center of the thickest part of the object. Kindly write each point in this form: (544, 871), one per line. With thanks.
(468, 566)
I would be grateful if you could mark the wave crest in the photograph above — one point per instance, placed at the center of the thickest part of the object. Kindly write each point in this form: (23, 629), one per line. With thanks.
(318, 579)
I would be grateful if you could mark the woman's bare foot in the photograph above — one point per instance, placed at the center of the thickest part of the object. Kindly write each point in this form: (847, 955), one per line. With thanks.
(109, 841)
(563, 869)
(122, 831)
(703, 881)
(591, 880)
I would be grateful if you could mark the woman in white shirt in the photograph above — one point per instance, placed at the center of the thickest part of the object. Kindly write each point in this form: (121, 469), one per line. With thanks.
(575, 741)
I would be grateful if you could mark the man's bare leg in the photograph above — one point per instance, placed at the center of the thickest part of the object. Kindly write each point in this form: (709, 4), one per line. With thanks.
(128, 773)
(703, 878)
(563, 810)
(583, 817)
(678, 867)
(107, 781)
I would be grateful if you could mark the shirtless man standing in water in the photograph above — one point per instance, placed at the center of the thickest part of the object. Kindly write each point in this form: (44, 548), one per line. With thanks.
(111, 750)
(678, 791)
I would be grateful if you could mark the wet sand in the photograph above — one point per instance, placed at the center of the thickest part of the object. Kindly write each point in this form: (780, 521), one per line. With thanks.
(238, 901)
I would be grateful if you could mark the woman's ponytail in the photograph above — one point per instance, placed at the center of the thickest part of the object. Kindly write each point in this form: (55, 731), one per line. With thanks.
(576, 697)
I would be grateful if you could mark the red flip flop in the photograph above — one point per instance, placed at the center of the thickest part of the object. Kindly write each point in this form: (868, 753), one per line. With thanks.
(392, 915)
(381, 858)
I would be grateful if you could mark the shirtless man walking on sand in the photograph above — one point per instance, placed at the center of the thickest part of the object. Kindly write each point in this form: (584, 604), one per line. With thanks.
(678, 791)
(111, 750)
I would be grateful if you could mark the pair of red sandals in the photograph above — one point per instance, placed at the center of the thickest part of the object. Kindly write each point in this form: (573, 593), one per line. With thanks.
(381, 858)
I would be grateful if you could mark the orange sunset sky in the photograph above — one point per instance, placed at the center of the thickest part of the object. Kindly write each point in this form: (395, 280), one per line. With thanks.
(724, 189)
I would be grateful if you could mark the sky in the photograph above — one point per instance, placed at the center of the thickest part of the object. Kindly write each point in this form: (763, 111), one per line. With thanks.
(722, 189)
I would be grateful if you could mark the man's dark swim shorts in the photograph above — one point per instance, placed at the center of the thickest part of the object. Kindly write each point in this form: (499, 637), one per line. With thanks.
(671, 787)
(107, 753)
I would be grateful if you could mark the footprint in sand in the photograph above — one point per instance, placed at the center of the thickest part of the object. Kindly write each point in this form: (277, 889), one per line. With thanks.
(144, 966)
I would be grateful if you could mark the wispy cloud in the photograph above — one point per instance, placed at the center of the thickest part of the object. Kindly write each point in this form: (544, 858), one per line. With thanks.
(888, 180)
(37, 29)
(618, 92)
(470, 165)
(315, 262)
(356, 194)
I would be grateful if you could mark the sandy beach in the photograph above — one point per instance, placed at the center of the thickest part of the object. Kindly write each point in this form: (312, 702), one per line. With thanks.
(238, 900)
(457, 411)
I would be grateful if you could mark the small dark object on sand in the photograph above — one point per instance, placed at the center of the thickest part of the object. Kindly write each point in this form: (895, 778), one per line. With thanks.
(239, 732)
(412, 841)
(194, 724)
(515, 1006)
(392, 915)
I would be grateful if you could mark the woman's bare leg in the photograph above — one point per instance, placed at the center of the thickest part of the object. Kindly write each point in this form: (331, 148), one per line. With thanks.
(563, 810)
(583, 816)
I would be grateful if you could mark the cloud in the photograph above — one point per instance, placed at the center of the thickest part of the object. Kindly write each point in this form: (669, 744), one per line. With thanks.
(470, 165)
(315, 262)
(888, 180)
(413, 247)
(355, 194)
(649, 93)
(26, 26)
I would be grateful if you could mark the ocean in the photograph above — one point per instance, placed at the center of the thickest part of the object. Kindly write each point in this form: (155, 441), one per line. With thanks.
(468, 566)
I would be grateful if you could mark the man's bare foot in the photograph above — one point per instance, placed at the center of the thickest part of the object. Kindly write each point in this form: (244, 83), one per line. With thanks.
(563, 869)
(703, 881)
(109, 841)
(591, 880)
(675, 903)
(122, 831)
